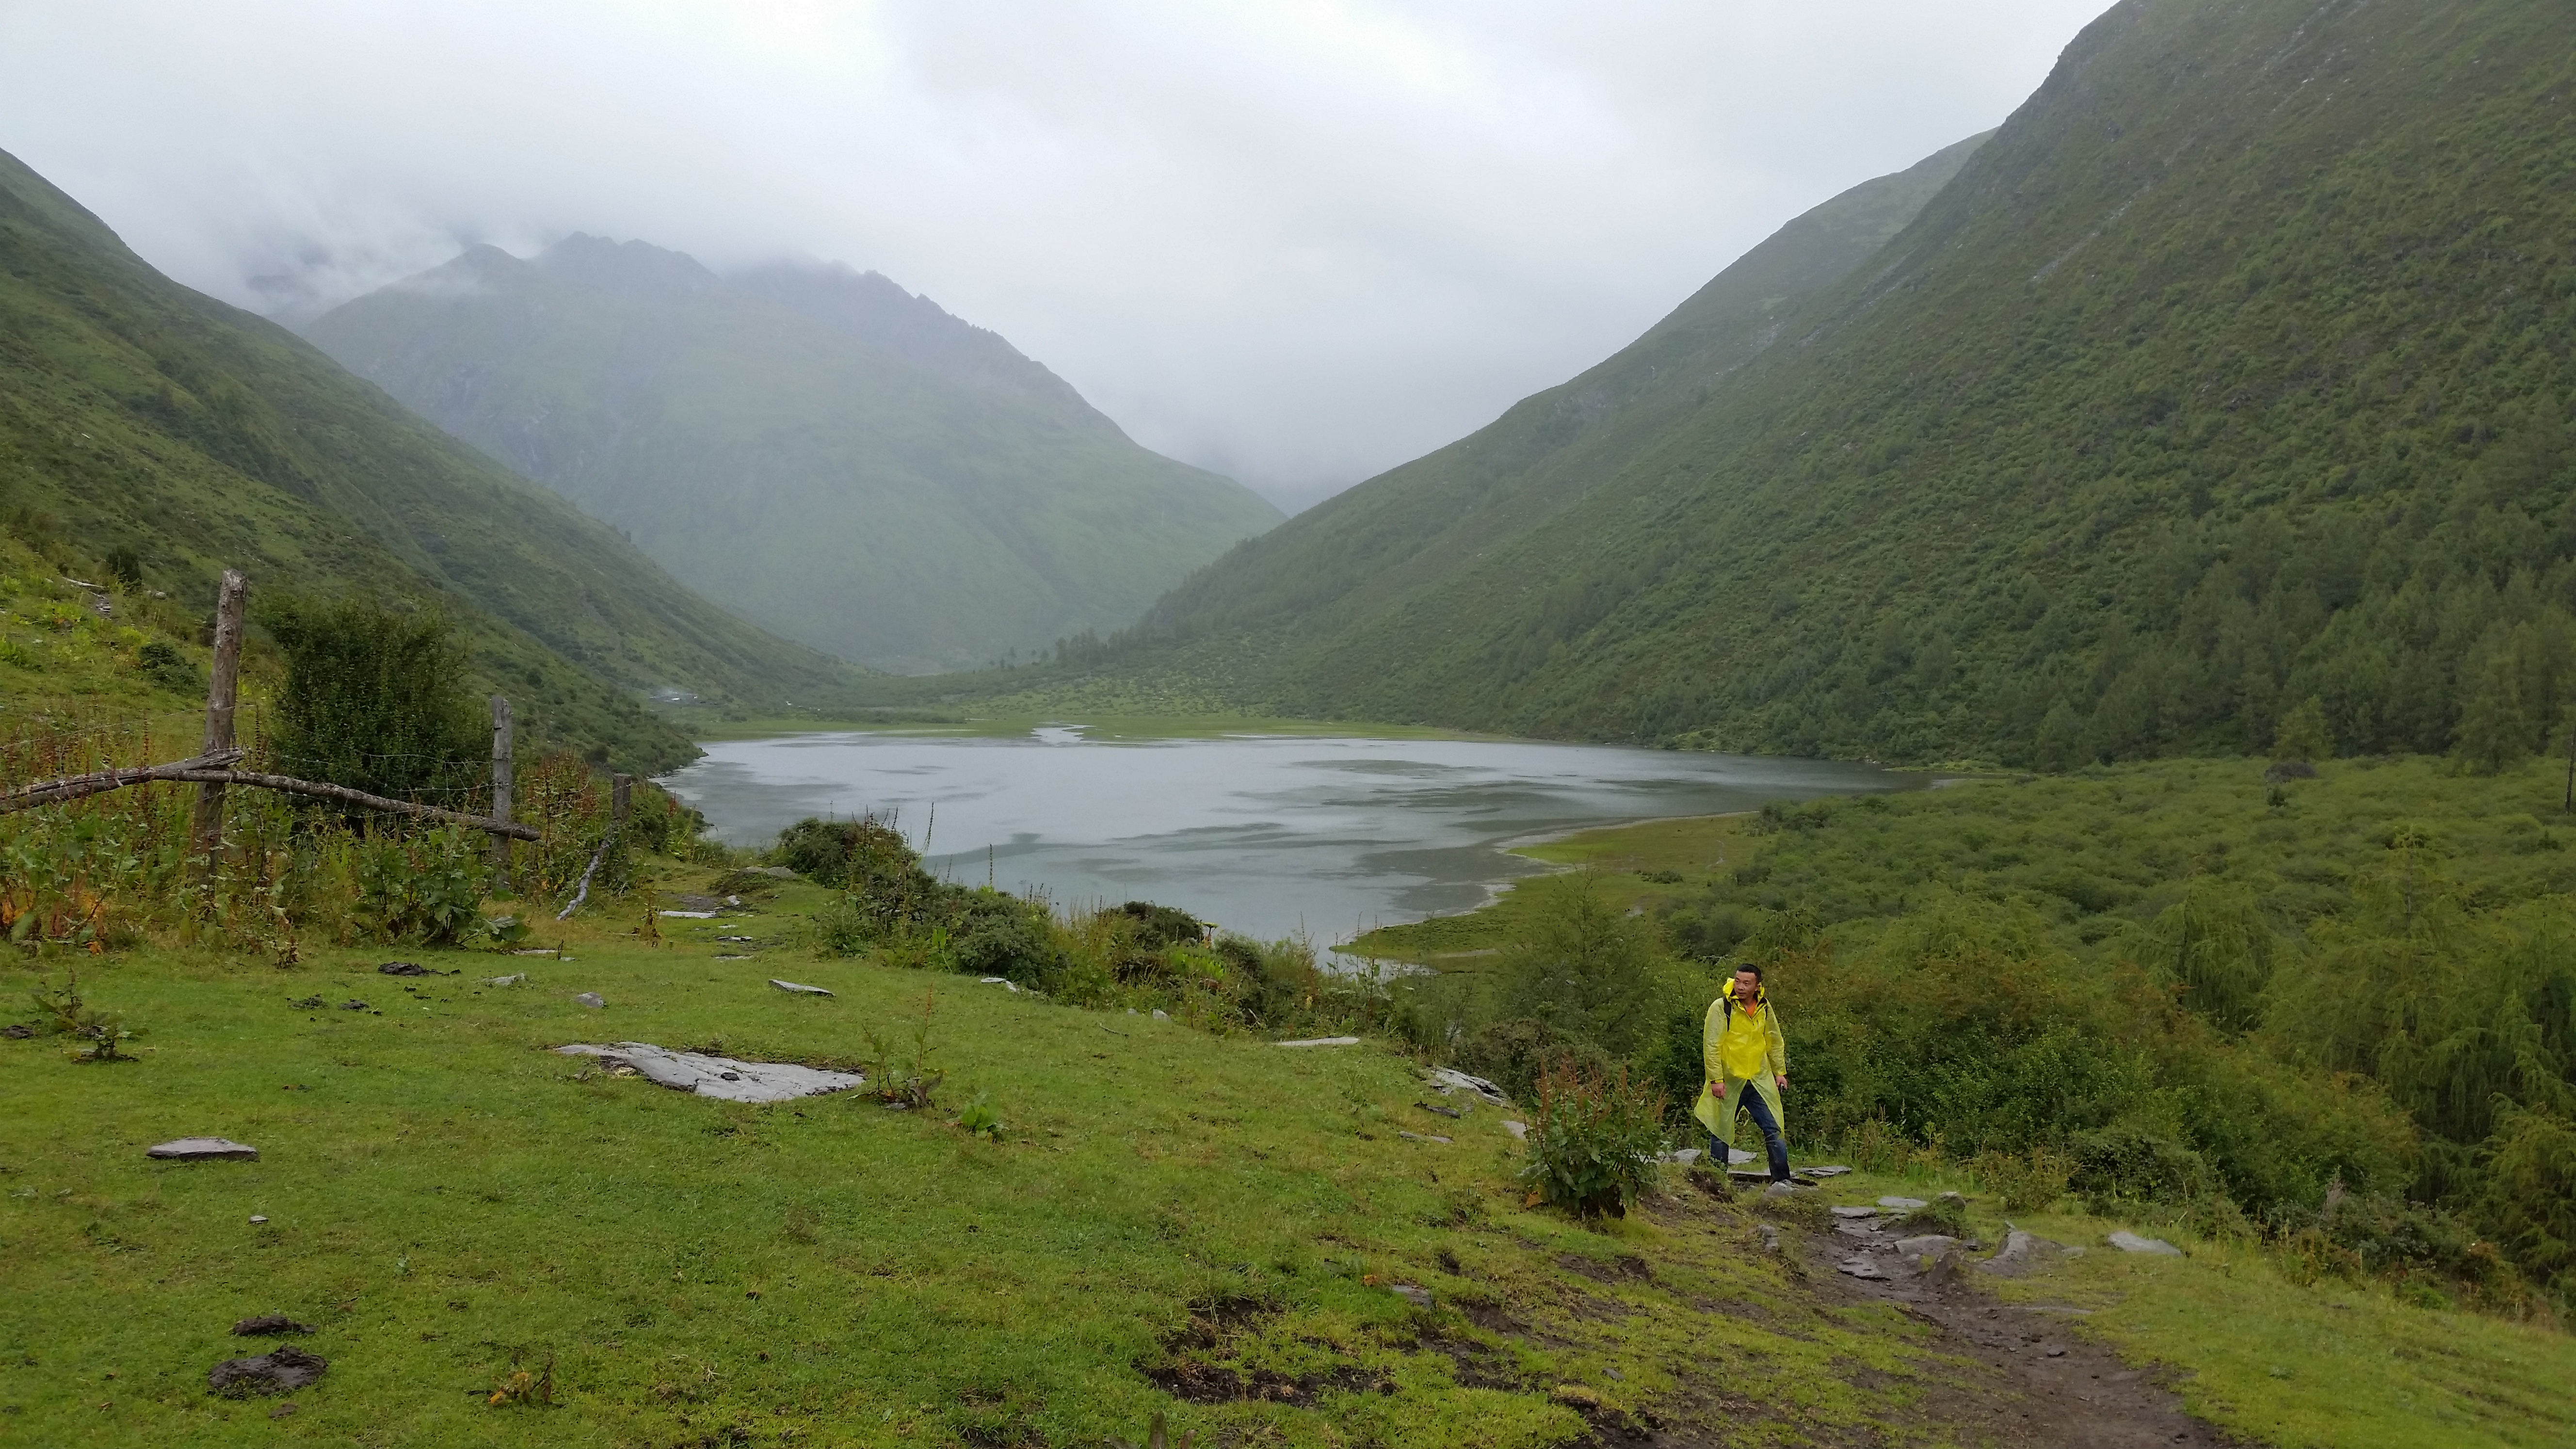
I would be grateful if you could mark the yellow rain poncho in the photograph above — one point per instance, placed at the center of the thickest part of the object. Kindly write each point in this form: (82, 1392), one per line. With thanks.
(1741, 1048)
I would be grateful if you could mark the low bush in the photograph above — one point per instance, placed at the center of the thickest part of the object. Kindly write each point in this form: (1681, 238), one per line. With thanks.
(1595, 1141)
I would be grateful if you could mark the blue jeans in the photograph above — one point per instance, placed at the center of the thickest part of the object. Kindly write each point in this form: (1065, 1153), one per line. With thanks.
(1776, 1146)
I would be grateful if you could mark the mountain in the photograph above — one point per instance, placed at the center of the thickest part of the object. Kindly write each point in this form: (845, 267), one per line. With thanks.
(2231, 372)
(136, 414)
(813, 447)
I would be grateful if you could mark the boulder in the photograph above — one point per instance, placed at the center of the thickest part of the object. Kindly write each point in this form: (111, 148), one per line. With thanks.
(204, 1149)
(2022, 1251)
(279, 1372)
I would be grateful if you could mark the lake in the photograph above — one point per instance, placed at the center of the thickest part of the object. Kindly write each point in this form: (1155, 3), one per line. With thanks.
(1265, 834)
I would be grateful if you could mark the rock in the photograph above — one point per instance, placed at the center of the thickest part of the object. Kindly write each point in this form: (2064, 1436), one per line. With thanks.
(1770, 1237)
(1861, 1265)
(269, 1323)
(1448, 1079)
(511, 980)
(1413, 1293)
(1902, 1204)
(692, 915)
(589, 998)
(1311, 1042)
(1421, 1137)
(1005, 982)
(257, 1218)
(798, 989)
(1517, 1129)
(1835, 1170)
(1928, 1245)
(722, 1077)
(1683, 1155)
(279, 1372)
(1451, 1113)
(353, 1006)
(204, 1149)
(2021, 1252)
(1855, 1212)
(404, 968)
(1161, 1015)
(17, 1031)
(1780, 1189)
(2129, 1242)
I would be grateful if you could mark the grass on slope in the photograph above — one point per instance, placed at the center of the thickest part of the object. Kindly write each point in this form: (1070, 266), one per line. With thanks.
(137, 414)
(448, 1202)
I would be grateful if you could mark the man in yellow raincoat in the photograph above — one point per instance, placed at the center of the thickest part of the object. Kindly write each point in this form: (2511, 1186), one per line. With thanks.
(1743, 1049)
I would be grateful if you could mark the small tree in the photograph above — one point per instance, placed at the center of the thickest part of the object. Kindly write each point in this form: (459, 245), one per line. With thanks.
(2302, 734)
(375, 697)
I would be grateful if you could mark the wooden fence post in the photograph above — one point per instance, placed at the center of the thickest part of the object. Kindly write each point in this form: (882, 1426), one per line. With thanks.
(222, 686)
(501, 761)
(621, 793)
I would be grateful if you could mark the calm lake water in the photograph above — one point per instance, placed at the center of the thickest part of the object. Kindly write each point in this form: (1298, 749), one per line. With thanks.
(1264, 834)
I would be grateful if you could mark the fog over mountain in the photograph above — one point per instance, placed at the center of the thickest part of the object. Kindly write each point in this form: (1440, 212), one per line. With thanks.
(1292, 244)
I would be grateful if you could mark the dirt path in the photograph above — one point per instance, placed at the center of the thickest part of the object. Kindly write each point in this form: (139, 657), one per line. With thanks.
(2041, 1385)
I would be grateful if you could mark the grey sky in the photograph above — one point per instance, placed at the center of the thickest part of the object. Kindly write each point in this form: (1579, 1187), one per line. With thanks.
(1299, 243)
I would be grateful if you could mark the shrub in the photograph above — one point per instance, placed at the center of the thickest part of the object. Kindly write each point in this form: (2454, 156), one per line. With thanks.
(1594, 1140)
(424, 889)
(868, 858)
(375, 699)
(67, 1013)
(2024, 1182)
(1515, 1054)
(2528, 1201)
(2126, 1163)
(1580, 963)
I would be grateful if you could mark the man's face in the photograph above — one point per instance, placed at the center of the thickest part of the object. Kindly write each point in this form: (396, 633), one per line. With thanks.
(1746, 984)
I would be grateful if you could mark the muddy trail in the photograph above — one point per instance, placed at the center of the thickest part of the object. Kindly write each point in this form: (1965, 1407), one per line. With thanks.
(2024, 1378)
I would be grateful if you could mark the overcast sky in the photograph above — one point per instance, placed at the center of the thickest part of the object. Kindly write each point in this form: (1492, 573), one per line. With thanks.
(1298, 243)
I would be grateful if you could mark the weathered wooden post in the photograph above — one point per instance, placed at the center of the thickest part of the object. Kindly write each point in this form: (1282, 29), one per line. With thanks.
(501, 760)
(621, 793)
(222, 687)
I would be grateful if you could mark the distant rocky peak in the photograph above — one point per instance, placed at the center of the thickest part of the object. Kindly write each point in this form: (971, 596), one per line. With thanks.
(914, 329)
(630, 267)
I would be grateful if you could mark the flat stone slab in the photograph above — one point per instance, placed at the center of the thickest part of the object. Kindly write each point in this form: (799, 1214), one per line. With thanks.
(1855, 1212)
(1863, 1266)
(1902, 1204)
(2129, 1242)
(1004, 982)
(1517, 1129)
(1413, 1293)
(589, 998)
(1933, 1245)
(204, 1149)
(800, 990)
(282, 1371)
(721, 1077)
(1834, 1170)
(1315, 1041)
(1423, 1137)
(1449, 1079)
(514, 979)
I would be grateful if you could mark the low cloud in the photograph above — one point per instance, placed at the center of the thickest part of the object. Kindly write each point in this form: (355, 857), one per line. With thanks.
(1296, 242)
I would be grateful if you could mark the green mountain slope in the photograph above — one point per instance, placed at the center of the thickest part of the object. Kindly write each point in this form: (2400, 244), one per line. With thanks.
(135, 413)
(2231, 372)
(834, 458)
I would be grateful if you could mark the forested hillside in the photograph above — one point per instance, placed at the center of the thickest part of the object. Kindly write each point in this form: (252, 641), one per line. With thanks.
(140, 418)
(833, 457)
(2231, 372)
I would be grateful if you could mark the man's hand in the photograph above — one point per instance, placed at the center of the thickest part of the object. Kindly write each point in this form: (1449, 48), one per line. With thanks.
(1782, 1079)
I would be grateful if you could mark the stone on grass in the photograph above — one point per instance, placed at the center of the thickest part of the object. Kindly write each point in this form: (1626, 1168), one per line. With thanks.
(1517, 1129)
(1413, 1293)
(2129, 1242)
(1683, 1155)
(798, 989)
(1855, 1212)
(1831, 1171)
(723, 1077)
(589, 998)
(692, 915)
(268, 1324)
(1422, 1137)
(1311, 1041)
(204, 1149)
(1927, 1245)
(1005, 982)
(1161, 1015)
(1780, 1189)
(2022, 1251)
(1902, 1204)
(1448, 1079)
(280, 1372)
(510, 980)
(403, 968)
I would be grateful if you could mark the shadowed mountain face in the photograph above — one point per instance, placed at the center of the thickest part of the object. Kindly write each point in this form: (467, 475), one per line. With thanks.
(2231, 372)
(814, 447)
(136, 413)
